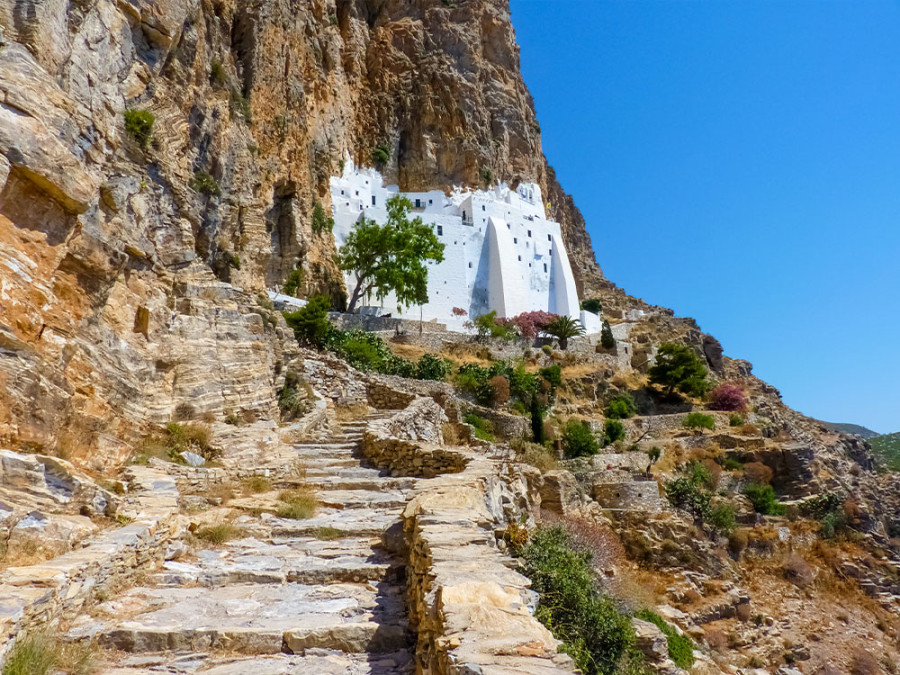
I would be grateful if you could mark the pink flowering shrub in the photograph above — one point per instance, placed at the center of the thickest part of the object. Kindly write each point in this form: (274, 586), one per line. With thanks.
(529, 324)
(727, 397)
(458, 311)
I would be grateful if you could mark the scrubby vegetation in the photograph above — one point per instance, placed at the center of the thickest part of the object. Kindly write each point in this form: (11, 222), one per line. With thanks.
(727, 397)
(218, 533)
(621, 406)
(484, 430)
(41, 654)
(763, 499)
(293, 282)
(699, 421)
(887, 450)
(320, 221)
(678, 368)
(593, 631)
(174, 439)
(297, 504)
(681, 647)
(139, 124)
(204, 183)
(578, 440)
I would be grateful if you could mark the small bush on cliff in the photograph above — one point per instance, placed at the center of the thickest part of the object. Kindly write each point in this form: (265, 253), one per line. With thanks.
(699, 421)
(688, 494)
(678, 368)
(292, 403)
(578, 440)
(594, 633)
(139, 124)
(763, 499)
(484, 430)
(310, 322)
(592, 305)
(621, 406)
(297, 504)
(320, 221)
(727, 397)
(204, 183)
(431, 367)
(381, 154)
(607, 341)
(293, 282)
(681, 647)
(613, 430)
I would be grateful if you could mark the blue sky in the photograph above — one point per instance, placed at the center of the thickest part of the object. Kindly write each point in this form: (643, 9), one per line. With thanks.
(739, 162)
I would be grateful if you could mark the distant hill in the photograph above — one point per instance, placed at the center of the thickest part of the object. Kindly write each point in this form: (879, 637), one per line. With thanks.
(855, 429)
(887, 449)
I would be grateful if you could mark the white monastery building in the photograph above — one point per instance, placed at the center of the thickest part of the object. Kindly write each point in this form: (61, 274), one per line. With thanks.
(500, 251)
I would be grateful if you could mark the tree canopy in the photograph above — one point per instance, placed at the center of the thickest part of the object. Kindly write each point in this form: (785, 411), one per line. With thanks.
(678, 367)
(391, 257)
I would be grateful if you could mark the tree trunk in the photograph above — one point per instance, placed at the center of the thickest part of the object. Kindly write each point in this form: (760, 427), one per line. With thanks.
(563, 343)
(357, 294)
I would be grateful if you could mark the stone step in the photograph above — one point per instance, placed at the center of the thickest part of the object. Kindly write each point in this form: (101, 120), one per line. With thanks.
(388, 500)
(312, 662)
(345, 472)
(254, 619)
(356, 522)
(323, 463)
(375, 483)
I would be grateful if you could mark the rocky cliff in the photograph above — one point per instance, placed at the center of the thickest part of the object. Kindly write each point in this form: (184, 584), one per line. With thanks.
(131, 267)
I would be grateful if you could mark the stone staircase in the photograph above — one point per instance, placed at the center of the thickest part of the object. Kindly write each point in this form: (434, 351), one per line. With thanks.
(320, 596)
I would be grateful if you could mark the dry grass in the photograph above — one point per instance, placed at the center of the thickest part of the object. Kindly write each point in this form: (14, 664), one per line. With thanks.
(41, 654)
(297, 504)
(256, 485)
(410, 352)
(25, 552)
(328, 533)
(218, 533)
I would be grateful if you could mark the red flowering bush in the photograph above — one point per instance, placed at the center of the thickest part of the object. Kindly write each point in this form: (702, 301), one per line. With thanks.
(458, 311)
(727, 397)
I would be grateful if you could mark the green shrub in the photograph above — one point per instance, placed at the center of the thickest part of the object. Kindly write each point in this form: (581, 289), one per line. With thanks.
(685, 493)
(537, 420)
(607, 341)
(592, 305)
(431, 367)
(216, 72)
(40, 654)
(592, 630)
(553, 374)
(204, 183)
(621, 406)
(320, 221)
(487, 326)
(731, 464)
(360, 354)
(763, 499)
(578, 440)
(679, 368)
(310, 322)
(735, 420)
(240, 106)
(681, 647)
(723, 518)
(547, 349)
(613, 430)
(697, 420)
(291, 403)
(484, 430)
(187, 438)
(293, 282)
(139, 123)
(654, 453)
(487, 176)
(381, 154)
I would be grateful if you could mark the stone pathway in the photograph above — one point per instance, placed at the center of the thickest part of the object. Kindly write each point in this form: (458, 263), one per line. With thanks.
(321, 596)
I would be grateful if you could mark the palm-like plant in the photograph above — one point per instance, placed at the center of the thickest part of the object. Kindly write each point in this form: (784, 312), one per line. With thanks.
(563, 328)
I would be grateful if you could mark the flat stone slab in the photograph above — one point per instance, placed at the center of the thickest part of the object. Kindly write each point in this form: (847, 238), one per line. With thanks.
(253, 619)
(314, 662)
(359, 522)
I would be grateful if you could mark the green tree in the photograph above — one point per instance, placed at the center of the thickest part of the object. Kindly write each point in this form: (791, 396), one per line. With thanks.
(563, 328)
(607, 341)
(699, 421)
(320, 221)
(679, 368)
(621, 406)
(578, 440)
(613, 430)
(292, 283)
(391, 257)
(537, 420)
(310, 322)
(592, 305)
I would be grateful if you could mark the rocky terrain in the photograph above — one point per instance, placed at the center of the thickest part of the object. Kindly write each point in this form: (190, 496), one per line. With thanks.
(137, 339)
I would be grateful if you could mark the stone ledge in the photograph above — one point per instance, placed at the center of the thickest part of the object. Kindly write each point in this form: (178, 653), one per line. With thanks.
(39, 595)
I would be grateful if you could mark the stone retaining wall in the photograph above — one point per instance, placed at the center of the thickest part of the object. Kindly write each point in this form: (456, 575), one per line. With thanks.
(473, 613)
(38, 596)
(410, 443)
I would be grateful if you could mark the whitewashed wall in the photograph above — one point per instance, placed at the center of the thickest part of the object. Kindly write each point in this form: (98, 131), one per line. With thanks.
(500, 253)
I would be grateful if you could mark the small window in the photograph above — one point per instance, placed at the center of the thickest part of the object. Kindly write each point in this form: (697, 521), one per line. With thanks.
(515, 240)
(529, 233)
(418, 203)
(482, 207)
(470, 265)
(431, 201)
(342, 192)
(373, 200)
(357, 193)
(545, 268)
(549, 237)
(520, 258)
(440, 230)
